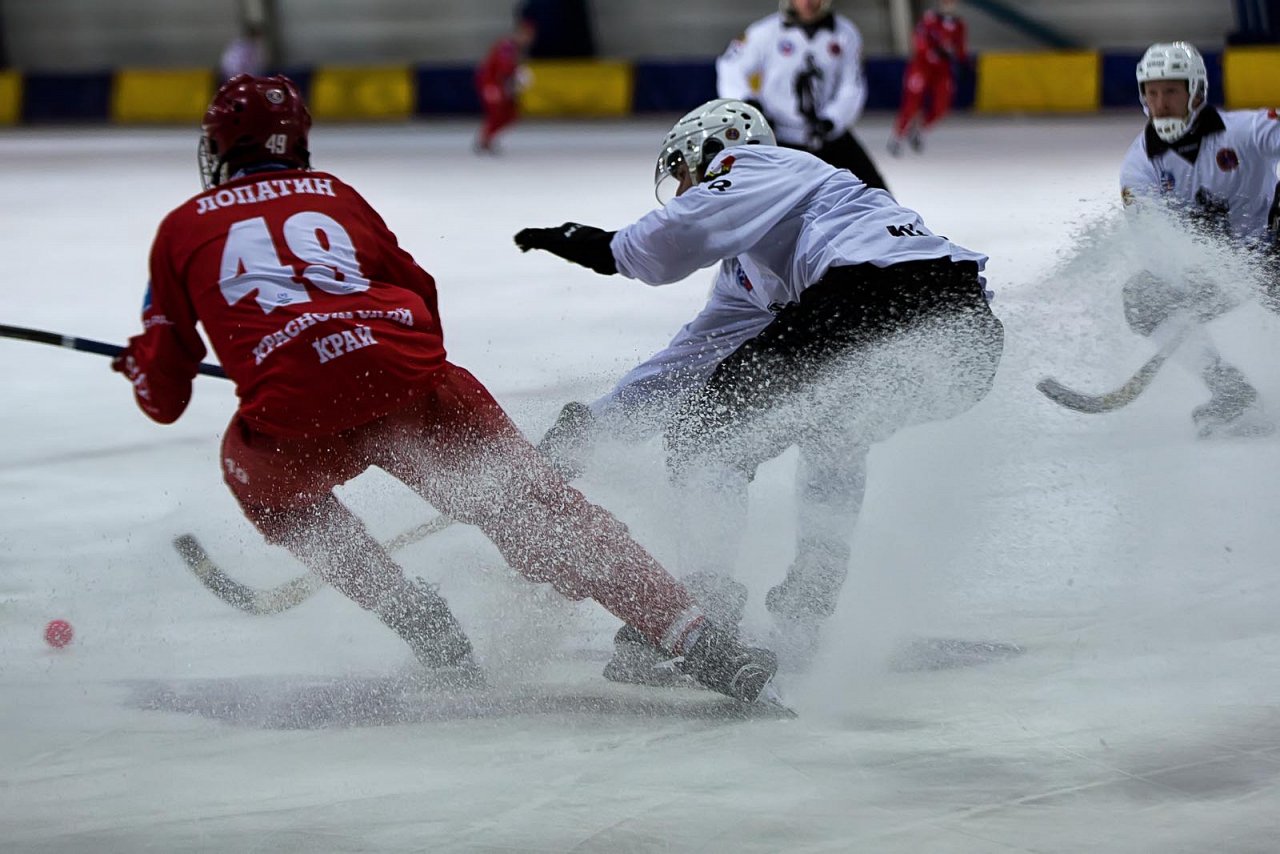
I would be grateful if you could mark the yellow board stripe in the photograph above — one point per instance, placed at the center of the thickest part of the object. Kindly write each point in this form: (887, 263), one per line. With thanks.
(1251, 77)
(344, 93)
(1067, 81)
(10, 97)
(153, 95)
(569, 87)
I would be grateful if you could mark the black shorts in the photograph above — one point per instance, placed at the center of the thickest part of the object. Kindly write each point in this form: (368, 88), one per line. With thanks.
(850, 310)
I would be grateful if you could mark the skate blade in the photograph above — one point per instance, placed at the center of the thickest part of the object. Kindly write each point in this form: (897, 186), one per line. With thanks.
(771, 701)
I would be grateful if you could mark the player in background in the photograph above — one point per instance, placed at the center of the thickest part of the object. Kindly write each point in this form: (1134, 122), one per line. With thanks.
(331, 334)
(808, 62)
(938, 50)
(245, 54)
(1217, 170)
(500, 78)
(836, 319)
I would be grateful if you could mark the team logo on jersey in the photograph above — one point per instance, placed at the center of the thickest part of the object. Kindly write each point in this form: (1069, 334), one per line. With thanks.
(1167, 182)
(275, 96)
(743, 279)
(1228, 160)
(725, 165)
(786, 48)
(1272, 114)
(835, 48)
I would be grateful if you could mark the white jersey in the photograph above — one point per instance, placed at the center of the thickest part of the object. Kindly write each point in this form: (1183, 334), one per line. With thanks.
(1222, 173)
(777, 220)
(804, 71)
(649, 393)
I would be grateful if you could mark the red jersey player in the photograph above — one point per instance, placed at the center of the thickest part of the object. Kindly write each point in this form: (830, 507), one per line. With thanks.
(499, 79)
(331, 334)
(938, 46)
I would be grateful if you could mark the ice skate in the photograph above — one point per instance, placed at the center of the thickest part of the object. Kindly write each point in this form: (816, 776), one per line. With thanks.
(639, 662)
(636, 661)
(916, 140)
(1234, 412)
(719, 662)
(804, 599)
(895, 146)
(1251, 422)
(421, 617)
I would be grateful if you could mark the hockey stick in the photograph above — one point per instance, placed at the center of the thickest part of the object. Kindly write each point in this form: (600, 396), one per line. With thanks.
(1110, 401)
(292, 593)
(86, 345)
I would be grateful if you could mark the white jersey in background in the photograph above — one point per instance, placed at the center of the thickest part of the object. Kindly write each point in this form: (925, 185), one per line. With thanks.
(1222, 172)
(804, 70)
(777, 219)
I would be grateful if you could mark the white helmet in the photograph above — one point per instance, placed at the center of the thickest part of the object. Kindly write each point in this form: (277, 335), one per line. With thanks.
(702, 134)
(1174, 61)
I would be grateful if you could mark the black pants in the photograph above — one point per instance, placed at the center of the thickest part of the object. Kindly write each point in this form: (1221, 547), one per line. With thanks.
(885, 347)
(845, 152)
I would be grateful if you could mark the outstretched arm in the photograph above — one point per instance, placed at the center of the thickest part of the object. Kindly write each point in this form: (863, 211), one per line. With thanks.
(573, 241)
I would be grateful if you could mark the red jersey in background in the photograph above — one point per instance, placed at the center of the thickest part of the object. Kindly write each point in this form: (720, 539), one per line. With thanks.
(939, 39)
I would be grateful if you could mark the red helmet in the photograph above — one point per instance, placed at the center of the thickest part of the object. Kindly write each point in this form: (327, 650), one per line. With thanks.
(253, 120)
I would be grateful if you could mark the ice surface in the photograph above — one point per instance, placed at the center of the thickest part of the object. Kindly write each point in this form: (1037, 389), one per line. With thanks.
(1135, 564)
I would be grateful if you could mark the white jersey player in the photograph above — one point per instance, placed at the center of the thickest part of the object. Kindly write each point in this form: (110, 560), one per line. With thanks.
(807, 62)
(1218, 170)
(821, 281)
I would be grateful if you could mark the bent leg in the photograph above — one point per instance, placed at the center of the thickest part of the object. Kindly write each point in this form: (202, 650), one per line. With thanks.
(913, 91)
(459, 450)
(831, 482)
(941, 93)
(284, 489)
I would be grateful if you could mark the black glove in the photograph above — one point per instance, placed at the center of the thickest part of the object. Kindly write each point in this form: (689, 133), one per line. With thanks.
(581, 244)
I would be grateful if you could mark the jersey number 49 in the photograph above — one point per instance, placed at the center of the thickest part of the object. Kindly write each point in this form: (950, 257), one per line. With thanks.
(251, 262)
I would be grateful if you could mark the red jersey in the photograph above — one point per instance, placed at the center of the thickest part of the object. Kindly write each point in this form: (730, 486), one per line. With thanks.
(319, 317)
(500, 66)
(939, 39)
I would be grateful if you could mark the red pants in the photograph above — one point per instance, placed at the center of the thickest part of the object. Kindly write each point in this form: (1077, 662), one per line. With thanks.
(498, 113)
(923, 80)
(456, 448)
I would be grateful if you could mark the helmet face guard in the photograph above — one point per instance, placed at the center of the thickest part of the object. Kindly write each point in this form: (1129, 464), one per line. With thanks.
(1174, 61)
(253, 120)
(699, 136)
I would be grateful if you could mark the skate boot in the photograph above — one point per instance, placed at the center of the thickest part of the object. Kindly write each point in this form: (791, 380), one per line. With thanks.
(805, 598)
(1233, 410)
(421, 617)
(719, 662)
(916, 140)
(565, 444)
(636, 661)
(895, 146)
